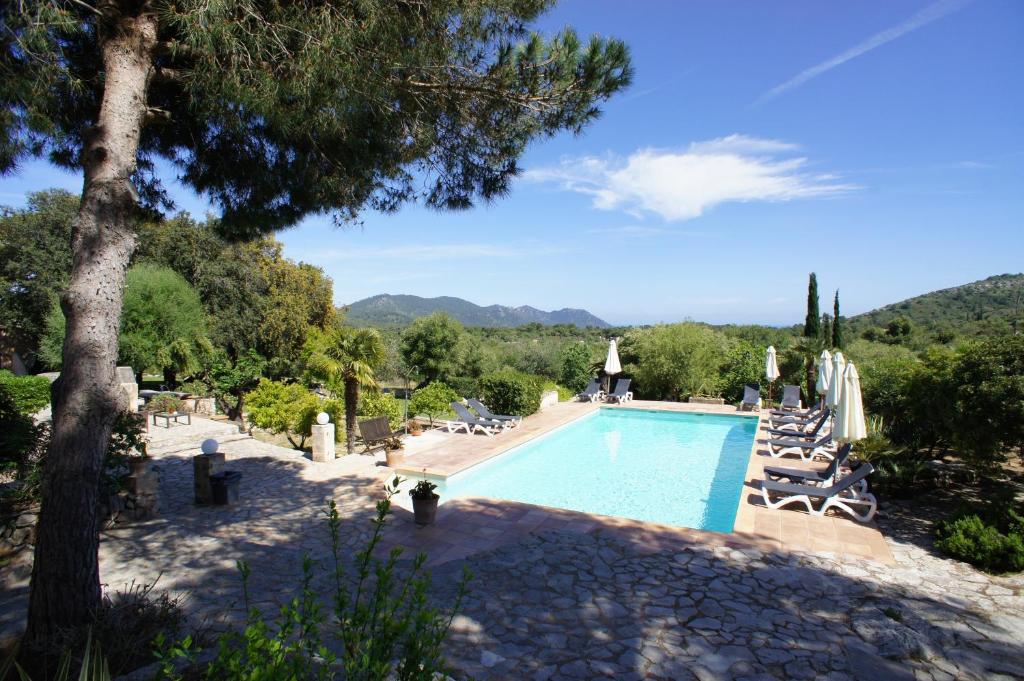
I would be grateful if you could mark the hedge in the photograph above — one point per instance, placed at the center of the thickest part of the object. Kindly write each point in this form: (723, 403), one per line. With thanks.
(512, 392)
(29, 393)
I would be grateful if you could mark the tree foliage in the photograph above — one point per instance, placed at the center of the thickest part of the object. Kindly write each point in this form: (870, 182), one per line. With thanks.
(163, 324)
(838, 341)
(431, 345)
(575, 367)
(673, 360)
(434, 401)
(288, 409)
(35, 259)
(812, 323)
(346, 357)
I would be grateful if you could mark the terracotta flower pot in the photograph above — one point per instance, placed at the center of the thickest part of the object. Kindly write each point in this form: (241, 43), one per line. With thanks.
(425, 510)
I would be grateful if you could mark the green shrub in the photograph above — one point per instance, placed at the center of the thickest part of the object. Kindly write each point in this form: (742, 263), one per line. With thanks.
(309, 410)
(464, 386)
(564, 394)
(973, 540)
(375, 403)
(284, 408)
(164, 402)
(512, 392)
(574, 370)
(433, 401)
(28, 393)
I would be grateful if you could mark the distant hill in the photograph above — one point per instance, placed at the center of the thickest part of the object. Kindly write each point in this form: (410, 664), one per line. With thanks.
(400, 310)
(981, 307)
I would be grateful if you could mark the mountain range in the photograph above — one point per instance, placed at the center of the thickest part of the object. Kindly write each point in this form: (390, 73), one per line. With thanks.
(401, 310)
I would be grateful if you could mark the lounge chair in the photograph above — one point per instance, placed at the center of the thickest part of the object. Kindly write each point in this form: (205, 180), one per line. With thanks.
(470, 423)
(751, 396)
(377, 433)
(790, 397)
(786, 413)
(800, 428)
(777, 421)
(808, 476)
(485, 413)
(621, 393)
(844, 494)
(806, 449)
(592, 393)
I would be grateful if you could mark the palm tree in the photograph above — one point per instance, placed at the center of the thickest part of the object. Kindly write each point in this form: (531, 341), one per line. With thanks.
(346, 356)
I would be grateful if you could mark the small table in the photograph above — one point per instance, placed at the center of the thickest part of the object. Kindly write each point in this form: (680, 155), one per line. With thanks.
(171, 417)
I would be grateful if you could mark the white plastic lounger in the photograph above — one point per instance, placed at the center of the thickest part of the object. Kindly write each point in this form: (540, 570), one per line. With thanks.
(621, 393)
(485, 413)
(807, 476)
(845, 495)
(469, 423)
(806, 449)
(592, 393)
(807, 430)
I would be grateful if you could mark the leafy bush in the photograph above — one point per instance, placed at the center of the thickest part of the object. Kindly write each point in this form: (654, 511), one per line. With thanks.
(512, 392)
(574, 370)
(744, 363)
(431, 345)
(564, 394)
(434, 401)
(674, 360)
(991, 538)
(283, 408)
(127, 441)
(29, 394)
(989, 389)
(385, 626)
(164, 402)
(375, 403)
(307, 417)
(464, 386)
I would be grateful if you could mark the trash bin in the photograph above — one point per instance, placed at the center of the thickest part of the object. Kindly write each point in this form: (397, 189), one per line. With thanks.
(225, 487)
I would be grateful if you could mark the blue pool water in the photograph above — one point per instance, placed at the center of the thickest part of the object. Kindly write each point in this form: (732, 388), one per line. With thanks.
(665, 467)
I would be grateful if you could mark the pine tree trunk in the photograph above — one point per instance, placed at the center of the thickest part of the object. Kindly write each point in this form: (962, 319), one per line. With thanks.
(65, 587)
(351, 404)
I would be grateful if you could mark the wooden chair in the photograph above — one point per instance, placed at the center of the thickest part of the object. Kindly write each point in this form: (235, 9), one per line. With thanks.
(377, 434)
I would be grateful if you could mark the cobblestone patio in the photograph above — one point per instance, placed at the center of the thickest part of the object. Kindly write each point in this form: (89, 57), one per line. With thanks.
(577, 600)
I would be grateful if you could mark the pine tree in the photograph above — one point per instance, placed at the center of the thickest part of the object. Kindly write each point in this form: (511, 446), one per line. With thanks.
(273, 111)
(837, 325)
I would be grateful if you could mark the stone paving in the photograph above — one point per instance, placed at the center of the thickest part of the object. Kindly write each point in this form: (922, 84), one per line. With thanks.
(578, 601)
(569, 605)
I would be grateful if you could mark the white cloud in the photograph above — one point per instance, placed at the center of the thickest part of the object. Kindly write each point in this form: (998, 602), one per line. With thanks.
(682, 185)
(926, 16)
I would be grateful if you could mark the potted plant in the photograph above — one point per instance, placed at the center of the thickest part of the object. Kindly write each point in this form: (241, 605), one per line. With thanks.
(414, 428)
(424, 502)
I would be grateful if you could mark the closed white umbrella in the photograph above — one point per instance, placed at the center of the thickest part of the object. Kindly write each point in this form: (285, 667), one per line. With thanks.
(850, 425)
(824, 373)
(771, 366)
(835, 387)
(612, 366)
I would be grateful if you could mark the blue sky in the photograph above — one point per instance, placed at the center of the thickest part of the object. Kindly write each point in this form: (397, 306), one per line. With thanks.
(880, 144)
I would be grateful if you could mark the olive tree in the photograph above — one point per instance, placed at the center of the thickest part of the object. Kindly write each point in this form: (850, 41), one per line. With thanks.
(272, 111)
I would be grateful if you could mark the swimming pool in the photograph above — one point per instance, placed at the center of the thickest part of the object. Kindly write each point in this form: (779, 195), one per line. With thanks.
(675, 468)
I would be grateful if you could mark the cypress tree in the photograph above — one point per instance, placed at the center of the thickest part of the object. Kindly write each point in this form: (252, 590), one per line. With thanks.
(837, 325)
(812, 325)
(273, 111)
(826, 329)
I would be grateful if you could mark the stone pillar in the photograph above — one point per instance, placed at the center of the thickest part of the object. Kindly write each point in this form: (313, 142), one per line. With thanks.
(143, 487)
(126, 377)
(323, 439)
(210, 462)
